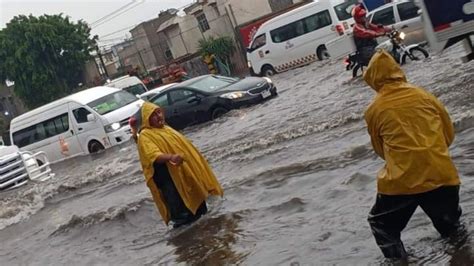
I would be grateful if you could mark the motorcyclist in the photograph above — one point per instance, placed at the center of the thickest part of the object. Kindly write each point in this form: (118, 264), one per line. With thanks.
(365, 34)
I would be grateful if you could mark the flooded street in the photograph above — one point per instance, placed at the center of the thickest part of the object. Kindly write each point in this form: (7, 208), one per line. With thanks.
(298, 173)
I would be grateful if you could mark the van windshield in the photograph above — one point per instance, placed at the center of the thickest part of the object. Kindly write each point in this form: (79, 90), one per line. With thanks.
(136, 89)
(343, 11)
(112, 102)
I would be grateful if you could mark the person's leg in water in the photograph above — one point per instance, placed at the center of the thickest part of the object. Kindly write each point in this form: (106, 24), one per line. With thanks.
(387, 219)
(442, 206)
(180, 214)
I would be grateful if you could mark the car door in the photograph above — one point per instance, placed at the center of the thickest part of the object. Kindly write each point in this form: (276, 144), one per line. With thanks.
(87, 130)
(410, 22)
(384, 16)
(185, 105)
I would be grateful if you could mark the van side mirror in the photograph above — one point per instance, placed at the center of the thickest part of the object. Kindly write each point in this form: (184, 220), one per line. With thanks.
(91, 118)
(419, 12)
(249, 50)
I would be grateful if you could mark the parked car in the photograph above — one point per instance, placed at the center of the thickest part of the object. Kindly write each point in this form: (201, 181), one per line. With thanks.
(17, 168)
(404, 16)
(298, 37)
(207, 97)
(130, 84)
(151, 93)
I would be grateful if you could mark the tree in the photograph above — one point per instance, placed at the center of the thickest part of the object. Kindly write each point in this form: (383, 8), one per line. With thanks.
(44, 56)
(222, 48)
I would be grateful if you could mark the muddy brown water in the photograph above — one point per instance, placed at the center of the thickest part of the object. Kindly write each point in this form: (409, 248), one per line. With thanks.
(299, 179)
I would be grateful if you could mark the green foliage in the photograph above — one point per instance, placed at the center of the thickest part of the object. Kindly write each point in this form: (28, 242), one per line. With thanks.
(44, 56)
(222, 47)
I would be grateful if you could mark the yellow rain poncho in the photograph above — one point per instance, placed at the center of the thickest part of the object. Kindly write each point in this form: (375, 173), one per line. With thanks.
(193, 179)
(410, 129)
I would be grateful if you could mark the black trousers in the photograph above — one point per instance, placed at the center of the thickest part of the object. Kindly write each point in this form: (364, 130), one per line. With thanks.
(390, 215)
(180, 214)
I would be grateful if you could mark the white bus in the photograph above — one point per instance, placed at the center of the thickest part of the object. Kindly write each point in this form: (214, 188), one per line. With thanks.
(82, 123)
(298, 37)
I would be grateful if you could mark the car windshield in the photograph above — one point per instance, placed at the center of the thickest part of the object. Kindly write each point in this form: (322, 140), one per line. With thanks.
(343, 11)
(112, 102)
(212, 83)
(136, 89)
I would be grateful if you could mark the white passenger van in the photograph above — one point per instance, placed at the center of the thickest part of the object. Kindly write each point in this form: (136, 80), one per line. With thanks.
(131, 84)
(82, 123)
(297, 37)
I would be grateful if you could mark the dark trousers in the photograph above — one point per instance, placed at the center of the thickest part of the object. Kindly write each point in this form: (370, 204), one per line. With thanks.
(180, 214)
(390, 215)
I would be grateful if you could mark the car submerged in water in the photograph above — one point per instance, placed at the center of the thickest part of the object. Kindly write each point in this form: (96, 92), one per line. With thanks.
(207, 97)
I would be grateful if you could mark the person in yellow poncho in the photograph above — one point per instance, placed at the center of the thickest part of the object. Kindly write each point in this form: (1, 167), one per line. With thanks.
(178, 176)
(411, 130)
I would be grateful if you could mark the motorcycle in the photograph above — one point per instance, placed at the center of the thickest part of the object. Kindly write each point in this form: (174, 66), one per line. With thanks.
(395, 46)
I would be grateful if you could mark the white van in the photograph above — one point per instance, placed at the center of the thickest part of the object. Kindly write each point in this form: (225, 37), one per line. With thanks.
(297, 37)
(128, 83)
(82, 123)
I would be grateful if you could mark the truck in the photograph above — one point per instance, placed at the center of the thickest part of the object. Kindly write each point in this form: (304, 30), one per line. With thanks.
(447, 23)
(18, 167)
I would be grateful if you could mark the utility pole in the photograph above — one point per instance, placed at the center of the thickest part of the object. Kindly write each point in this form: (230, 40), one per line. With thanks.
(102, 62)
(140, 56)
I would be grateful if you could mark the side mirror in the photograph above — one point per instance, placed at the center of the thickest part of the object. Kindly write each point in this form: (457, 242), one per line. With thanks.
(249, 50)
(194, 99)
(419, 12)
(91, 118)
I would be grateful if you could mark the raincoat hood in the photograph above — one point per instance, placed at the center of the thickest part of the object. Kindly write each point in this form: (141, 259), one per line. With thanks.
(382, 70)
(143, 116)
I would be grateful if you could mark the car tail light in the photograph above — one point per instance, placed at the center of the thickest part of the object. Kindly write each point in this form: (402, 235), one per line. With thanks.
(339, 29)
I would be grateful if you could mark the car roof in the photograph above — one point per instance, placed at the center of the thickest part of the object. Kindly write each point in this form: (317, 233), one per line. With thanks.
(123, 82)
(159, 89)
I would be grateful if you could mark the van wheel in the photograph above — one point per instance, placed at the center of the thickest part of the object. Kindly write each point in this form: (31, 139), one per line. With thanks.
(95, 147)
(268, 71)
(218, 112)
(322, 53)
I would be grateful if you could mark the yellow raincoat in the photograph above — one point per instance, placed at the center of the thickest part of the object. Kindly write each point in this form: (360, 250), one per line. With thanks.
(193, 179)
(410, 129)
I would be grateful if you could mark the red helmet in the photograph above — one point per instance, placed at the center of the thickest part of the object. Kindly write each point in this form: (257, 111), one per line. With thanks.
(358, 12)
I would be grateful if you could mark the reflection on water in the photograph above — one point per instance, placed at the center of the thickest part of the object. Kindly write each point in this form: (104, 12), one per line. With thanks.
(209, 241)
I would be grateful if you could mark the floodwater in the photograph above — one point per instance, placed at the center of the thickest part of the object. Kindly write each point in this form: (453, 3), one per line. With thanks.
(299, 179)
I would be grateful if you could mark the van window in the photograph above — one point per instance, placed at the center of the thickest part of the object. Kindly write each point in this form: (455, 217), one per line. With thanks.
(41, 131)
(301, 27)
(81, 115)
(343, 11)
(259, 42)
(407, 10)
(384, 17)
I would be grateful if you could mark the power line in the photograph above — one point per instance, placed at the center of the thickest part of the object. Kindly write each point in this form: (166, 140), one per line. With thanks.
(111, 13)
(124, 11)
(129, 27)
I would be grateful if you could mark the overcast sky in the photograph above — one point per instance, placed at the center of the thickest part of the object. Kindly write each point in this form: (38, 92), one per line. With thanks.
(134, 12)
